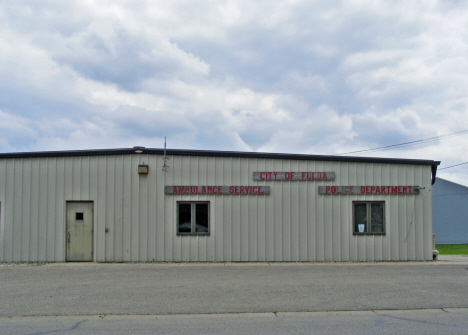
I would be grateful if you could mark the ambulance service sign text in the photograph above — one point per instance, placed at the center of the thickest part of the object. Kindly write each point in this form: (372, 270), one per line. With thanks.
(217, 190)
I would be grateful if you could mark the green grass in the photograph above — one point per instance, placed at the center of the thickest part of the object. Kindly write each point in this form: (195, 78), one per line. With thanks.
(452, 249)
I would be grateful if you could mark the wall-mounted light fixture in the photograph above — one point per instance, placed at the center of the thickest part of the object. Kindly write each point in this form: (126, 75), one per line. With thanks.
(142, 169)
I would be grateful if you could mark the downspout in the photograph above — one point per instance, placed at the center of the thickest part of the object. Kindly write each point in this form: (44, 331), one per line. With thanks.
(434, 172)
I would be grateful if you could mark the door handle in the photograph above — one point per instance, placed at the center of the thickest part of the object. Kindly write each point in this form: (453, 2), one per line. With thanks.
(68, 236)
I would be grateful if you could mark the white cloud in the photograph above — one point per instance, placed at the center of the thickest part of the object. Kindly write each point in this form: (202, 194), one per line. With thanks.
(317, 132)
(289, 76)
(15, 132)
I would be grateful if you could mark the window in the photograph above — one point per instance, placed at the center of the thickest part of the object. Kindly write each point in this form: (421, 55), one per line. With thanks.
(369, 217)
(193, 218)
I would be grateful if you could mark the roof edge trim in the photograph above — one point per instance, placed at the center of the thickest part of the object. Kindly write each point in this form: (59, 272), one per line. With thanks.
(209, 153)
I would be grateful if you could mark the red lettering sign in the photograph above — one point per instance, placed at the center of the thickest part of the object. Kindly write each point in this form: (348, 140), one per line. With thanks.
(391, 190)
(294, 176)
(217, 190)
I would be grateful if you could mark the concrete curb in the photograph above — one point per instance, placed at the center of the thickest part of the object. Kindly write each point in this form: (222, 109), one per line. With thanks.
(227, 315)
(459, 259)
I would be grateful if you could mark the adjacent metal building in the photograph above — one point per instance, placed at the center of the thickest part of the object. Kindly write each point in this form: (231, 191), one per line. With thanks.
(450, 212)
(144, 204)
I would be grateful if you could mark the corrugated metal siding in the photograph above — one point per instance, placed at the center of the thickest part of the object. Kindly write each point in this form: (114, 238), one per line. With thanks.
(293, 223)
(450, 212)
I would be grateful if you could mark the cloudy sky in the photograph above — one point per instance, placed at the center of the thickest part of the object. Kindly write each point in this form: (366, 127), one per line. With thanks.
(317, 77)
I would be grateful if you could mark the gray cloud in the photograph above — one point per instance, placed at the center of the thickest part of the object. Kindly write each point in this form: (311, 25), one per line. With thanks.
(312, 77)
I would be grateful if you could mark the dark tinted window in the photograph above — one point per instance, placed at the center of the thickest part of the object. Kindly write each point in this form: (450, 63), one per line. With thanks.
(201, 213)
(369, 217)
(377, 219)
(360, 218)
(193, 218)
(185, 218)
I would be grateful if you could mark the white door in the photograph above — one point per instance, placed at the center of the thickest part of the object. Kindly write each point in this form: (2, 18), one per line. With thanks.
(79, 231)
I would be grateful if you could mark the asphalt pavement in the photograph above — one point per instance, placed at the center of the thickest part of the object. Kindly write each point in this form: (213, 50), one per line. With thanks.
(417, 322)
(77, 289)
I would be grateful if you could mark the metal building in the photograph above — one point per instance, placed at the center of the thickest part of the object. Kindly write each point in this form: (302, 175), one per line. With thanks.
(450, 212)
(144, 204)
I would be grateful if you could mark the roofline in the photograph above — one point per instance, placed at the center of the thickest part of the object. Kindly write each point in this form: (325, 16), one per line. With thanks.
(452, 182)
(210, 153)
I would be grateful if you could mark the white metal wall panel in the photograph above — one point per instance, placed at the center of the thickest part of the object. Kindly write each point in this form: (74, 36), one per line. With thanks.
(293, 223)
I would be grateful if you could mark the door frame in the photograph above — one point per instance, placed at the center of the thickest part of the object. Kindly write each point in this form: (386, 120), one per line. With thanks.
(92, 229)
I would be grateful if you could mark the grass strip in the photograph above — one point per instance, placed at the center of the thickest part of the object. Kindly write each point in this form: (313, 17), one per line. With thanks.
(452, 249)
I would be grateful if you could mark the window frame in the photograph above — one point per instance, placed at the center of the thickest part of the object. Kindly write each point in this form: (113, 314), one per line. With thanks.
(193, 216)
(368, 231)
